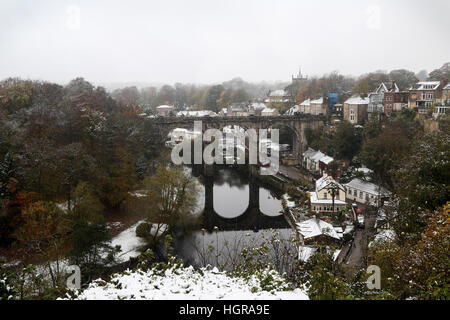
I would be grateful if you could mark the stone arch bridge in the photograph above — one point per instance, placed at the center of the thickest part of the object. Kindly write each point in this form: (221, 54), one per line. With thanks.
(297, 124)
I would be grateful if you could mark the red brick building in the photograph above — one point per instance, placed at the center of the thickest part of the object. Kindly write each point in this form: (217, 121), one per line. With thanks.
(394, 99)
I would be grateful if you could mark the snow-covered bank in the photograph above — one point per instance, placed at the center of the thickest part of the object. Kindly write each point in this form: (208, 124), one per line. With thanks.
(190, 284)
(130, 244)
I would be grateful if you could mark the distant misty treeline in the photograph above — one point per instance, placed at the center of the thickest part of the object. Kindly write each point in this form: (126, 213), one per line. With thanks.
(218, 96)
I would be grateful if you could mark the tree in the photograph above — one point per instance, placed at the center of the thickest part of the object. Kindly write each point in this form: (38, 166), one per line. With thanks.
(324, 278)
(417, 268)
(441, 73)
(347, 141)
(43, 231)
(380, 153)
(404, 78)
(212, 97)
(422, 75)
(170, 199)
(166, 95)
(421, 182)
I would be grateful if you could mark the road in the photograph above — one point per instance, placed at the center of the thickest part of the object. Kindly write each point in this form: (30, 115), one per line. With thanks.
(358, 248)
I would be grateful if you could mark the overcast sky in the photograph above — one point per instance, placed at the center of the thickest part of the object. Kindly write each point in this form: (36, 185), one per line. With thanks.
(207, 41)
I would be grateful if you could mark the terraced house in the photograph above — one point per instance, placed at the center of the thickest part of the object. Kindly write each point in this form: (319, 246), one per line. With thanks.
(424, 94)
(394, 99)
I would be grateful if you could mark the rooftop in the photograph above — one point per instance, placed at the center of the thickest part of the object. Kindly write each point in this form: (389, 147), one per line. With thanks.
(317, 101)
(315, 227)
(426, 85)
(278, 93)
(356, 99)
(367, 187)
(326, 181)
(307, 102)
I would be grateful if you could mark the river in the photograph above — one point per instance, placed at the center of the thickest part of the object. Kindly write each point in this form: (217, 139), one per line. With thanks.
(236, 231)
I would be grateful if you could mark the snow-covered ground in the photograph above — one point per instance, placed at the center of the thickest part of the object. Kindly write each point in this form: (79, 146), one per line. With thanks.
(130, 243)
(189, 284)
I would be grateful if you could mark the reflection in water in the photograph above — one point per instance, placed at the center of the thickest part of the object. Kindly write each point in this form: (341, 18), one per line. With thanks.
(269, 204)
(222, 249)
(230, 201)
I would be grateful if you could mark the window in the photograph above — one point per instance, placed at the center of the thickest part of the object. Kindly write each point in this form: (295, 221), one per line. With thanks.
(389, 106)
(361, 194)
(325, 195)
(352, 118)
(349, 191)
(355, 193)
(430, 96)
(367, 197)
(423, 95)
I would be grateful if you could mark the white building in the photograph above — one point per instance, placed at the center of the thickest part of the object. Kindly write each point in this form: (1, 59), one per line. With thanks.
(321, 199)
(269, 112)
(165, 110)
(365, 192)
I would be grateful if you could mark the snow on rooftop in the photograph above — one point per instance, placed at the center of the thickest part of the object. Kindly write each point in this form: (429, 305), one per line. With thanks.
(325, 181)
(356, 99)
(278, 93)
(165, 107)
(315, 227)
(367, 187)
(306, 103)
(188, 284)
(327, 159)
(317, 101)
(258, 105)
(426, 85)
(293, 110)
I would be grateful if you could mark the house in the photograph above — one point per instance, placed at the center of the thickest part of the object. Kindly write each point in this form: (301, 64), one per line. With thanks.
(311, 160)
(293, 110)
(239, 110)
(318, 231)
(199, 113)
(269, 112)
(445, 99)
(327, 192)
(425, 93)
(366, 192)
(165, 110)
(319, 106)
(257, 107)
(395, 100)
(305, 106)
(355, 109)
(376, 99)
(337, 110)
(279, 96)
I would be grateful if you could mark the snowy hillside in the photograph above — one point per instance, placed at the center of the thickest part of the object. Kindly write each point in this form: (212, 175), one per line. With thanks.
(190, 284)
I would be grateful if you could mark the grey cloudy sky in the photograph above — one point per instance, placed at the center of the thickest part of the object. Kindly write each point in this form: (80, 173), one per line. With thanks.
(208, 41)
